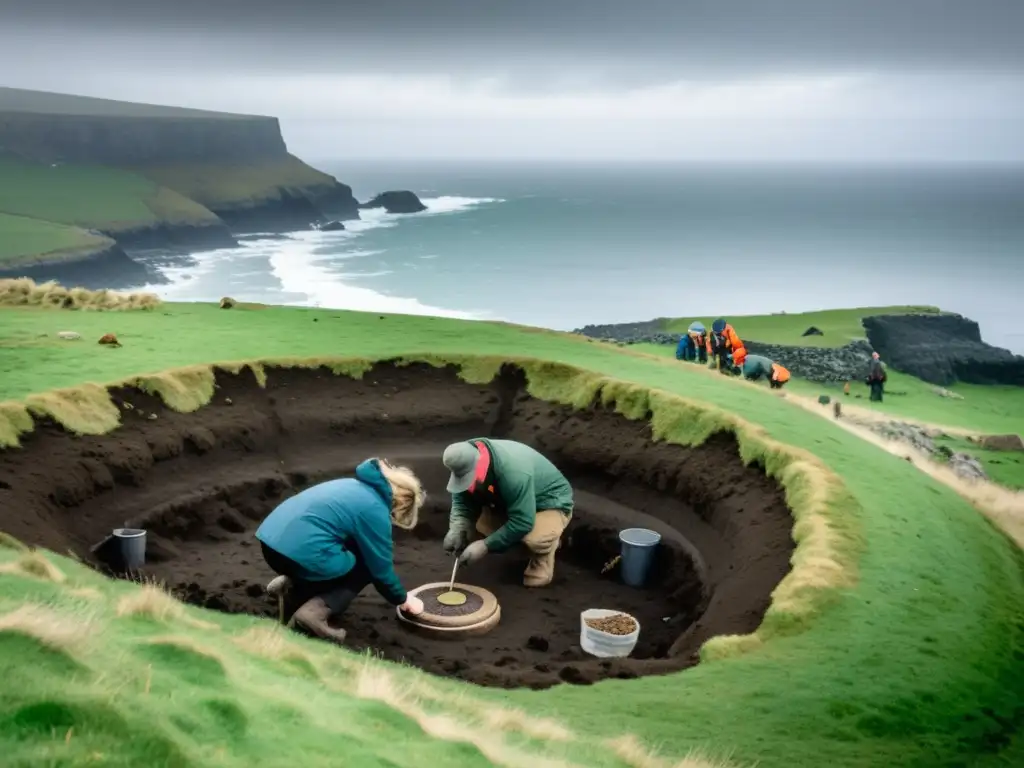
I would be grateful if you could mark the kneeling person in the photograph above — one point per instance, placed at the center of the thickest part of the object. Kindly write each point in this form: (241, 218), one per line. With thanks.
(511, 494)
(756, 366)
(331, 540)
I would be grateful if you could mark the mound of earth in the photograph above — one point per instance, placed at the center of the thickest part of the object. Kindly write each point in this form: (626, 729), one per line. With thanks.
(200, 483)
(942, 349)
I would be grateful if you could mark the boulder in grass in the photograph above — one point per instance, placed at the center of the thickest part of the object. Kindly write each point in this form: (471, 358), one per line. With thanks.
(227, 302)
(69, 335)
(1001, 442)
(109, 340)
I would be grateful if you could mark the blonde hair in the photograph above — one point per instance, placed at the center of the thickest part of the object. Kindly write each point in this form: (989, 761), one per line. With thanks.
(407, 494)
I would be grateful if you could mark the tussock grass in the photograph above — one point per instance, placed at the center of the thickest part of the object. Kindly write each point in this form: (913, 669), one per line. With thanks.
(153, 602)
(84, 410)
(86, 593)
(33, 564)
(185, 390)
(633, 753)
(375, 682)
(25, 292)
(57, 630)
(509, 719)
(9, 542)
(273, 643)
(15, 420)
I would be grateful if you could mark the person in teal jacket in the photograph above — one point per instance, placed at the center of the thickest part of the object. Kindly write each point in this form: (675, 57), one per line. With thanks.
(328, 542)
(511, 495)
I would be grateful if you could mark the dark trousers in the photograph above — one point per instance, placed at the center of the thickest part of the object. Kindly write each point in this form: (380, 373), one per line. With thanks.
(338, 593)
(877, 388)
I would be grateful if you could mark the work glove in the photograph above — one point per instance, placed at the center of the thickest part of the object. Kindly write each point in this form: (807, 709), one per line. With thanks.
(473, 553)
(455, 541)
(412, 605)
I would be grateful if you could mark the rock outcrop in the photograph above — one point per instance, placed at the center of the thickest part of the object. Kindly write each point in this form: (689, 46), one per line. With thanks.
(942, 350)
(923, 441)
(401, 201)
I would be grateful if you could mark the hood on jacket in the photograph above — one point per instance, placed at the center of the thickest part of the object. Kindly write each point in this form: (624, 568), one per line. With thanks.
(368, 472)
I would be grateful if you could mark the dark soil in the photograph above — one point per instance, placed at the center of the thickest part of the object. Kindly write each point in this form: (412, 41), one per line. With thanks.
(201, 483)
(432, 607)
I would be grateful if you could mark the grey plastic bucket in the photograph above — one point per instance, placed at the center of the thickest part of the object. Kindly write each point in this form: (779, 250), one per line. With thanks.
(638, 548)
(133, 547)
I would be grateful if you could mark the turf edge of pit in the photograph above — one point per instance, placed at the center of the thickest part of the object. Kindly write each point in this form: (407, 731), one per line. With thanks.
(826, 515)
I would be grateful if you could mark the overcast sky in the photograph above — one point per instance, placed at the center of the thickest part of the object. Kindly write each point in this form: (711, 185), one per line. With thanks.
(637, 79)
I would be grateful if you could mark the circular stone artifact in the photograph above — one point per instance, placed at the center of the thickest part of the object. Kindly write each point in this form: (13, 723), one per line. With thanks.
(463, 611)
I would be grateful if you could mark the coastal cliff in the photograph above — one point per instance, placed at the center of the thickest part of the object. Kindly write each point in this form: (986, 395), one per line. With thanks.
(152, 177)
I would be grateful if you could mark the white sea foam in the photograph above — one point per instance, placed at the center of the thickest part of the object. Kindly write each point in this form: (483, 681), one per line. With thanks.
(300, 265)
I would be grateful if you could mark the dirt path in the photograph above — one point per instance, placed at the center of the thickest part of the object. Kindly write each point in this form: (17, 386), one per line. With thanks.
(1003, 506)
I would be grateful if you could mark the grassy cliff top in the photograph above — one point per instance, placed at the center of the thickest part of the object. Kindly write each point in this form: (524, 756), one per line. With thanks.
(239, 184)
(48, 103)
(93, 197)
(23, 240)
(839, 326)
(914, 660)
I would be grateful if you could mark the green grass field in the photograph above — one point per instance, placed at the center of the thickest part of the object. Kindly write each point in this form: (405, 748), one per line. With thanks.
(916, 659)
(985, 410)
(232, 185)
(93, 197)
(22, 239)
(838, 326)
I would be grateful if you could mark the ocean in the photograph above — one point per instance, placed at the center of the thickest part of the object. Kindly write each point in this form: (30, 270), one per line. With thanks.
(561, 246)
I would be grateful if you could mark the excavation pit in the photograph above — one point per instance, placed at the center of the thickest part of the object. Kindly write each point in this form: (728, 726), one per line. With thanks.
(201, 482)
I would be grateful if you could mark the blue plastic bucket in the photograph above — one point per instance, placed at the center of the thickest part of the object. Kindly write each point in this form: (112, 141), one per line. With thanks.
(638, 548)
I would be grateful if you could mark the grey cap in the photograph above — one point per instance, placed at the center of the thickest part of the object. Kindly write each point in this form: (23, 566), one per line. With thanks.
(461, 459)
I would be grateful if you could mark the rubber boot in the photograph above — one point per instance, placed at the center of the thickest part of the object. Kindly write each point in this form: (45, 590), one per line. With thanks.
(279, 586)
(312, 616)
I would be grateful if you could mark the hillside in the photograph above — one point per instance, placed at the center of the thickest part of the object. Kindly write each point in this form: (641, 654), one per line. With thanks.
(892, 639)
(150, 176)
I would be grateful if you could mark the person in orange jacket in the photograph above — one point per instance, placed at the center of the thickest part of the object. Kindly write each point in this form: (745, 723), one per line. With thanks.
(724, 347)
(756, 366)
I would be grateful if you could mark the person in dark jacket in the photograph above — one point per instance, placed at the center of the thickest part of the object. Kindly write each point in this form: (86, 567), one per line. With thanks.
(725, 348)
(510, 494)
(330, 541)
(876, 378)
(692, 345)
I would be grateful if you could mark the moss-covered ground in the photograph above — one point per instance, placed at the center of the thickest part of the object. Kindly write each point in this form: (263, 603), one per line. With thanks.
(916, 657)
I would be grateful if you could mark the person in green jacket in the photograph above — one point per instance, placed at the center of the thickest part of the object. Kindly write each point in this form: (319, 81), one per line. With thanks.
(510, 494)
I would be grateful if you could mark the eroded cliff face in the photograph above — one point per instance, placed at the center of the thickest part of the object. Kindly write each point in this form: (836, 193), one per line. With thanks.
(942, 349)
(130, 141)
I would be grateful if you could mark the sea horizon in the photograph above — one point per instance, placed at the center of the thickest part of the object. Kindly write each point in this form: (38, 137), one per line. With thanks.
(562, 245)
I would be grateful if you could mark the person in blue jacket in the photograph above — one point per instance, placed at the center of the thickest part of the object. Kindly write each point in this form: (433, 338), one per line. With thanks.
(693, 344)
(328, 542)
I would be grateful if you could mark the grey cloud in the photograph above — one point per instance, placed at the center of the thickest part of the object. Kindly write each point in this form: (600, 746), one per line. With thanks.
(628, 41)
